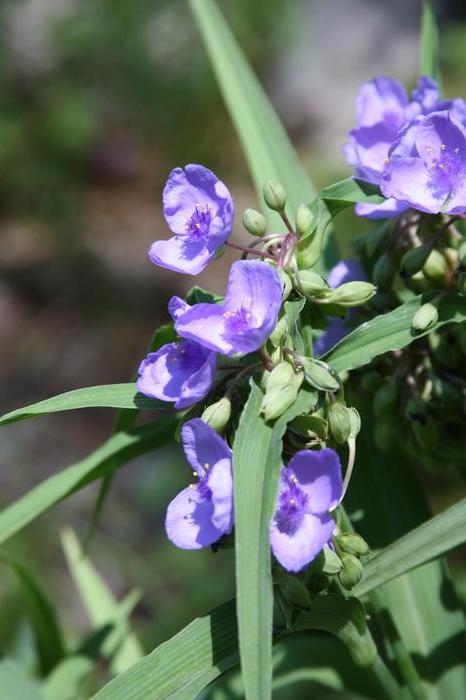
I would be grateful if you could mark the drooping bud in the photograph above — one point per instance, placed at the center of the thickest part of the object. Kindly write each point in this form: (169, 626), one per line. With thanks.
(311, 283)
(351, 571)
(218, 414)
(339, 421)
(352, 543)
(282, 389)
(287, 285)
(435, 267)
(310, 427)
(424, 318)
(279, 332)
(274, 195)
(318, 374)
(254, 222)
(352, 294)
(355, 420)
(304, 220)
(414, 260)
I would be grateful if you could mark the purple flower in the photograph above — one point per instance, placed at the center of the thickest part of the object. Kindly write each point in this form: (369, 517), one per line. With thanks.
(426, 168)
(383, 110)
(309, 488)
(200, 514)
(349, 270)
(246, 318)
(182, 372)
(198, 209)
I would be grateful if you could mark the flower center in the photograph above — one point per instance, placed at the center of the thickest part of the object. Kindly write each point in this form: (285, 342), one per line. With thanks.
(197, 226)
(241, 319)
(187, 357)
(446, 171)
(292, 504)
(202, 486)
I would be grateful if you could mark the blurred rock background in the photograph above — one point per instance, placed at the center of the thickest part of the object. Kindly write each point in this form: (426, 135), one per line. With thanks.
(99, 100)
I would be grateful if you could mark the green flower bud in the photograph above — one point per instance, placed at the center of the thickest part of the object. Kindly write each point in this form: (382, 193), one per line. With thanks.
(282, 389)
(311, 427)
(287, 285)
(254, 222)
(385, 401)
(311, 283)
(424, 318)
(451, 257)
(462, 253)
(218, 414)
(279, 332)
(304, 220)
(435, 267)
(293, 589)
(318, 374)
(351, 571)
(355, 420)
(339, 421)
(327, 562)
(418, 283)
(274, 195)
(414, 260)
(384, 272)
(352, 543)
(352, 294)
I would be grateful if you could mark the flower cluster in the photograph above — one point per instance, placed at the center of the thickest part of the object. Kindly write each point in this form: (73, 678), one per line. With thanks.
(413, 148)
(310, 487)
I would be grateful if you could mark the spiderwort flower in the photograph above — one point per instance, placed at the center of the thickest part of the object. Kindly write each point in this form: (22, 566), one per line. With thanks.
(198, 209)
(246, 318)
(309, 488)
(200, 514)
(182, 372)
(426, 166)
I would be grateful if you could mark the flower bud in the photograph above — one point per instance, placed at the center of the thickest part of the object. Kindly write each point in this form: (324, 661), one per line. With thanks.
(274, 195)
(352, 294)
(435, 267)
(254, 222)
(304, 220)
(351, 571)
(424, 318)
(287, 285)
(352, 543)
(413, 260)
(328, 562)
(279, 332)
(318, 374)
(355, 420)
(384, 272)
(282, 389)
(310, 427)
(218, 414)
(418, 283)
(311, 283)
(293, 589)
(339, 422)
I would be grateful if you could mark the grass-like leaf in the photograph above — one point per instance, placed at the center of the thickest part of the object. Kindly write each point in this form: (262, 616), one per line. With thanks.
(392, 331)
(104, 396)
(115, 452)
(429, 62)
(256, 461)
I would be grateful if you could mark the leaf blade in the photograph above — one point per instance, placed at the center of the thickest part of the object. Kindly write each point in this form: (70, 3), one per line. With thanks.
(429, 46)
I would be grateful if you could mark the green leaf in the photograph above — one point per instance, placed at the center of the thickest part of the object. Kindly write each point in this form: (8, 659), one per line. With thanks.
(66, 680)
(266, 146)
(181, 667)
(392, 331)
(121, 647)
(15, 685)
(115, 452)
(42, 616)
(105, 396)
(346, 192)
(429, 44)
(255, 487)
(428, 541)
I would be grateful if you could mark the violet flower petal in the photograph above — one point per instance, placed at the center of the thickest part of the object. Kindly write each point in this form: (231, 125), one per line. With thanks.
(188, 522)
(202, 445)
(391, 207)
(382, 99)
(319, 476)
(295, 549)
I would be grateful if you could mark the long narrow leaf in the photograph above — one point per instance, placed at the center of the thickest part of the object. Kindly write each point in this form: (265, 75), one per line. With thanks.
(120, 448)
(105, 396)
(392, 331)
(256, 462)
(429, 43)
(428, 541)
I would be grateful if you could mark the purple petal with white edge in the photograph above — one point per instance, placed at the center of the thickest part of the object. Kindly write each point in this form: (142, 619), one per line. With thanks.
(319, 476)
(381, 99)
(202, 445)
(177, 306)
(181, 255)
(188, 522)
(206, 325)
(296, 549)
(408, 180)
(347, 270)
(220, 482)
(386, 210)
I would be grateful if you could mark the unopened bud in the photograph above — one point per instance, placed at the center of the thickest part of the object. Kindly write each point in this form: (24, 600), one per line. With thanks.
(352, 293)
(414, 259)
(355, 420)
(418, 283)
(311, 283)
(311, 427)
(304, 220)
(351, 571)
(339, 422)
(352, 543)
(328, 562)
(424, 318)
(282, 389)
(218, 414)
(254, 222)
(279, 332)
(384, 272)
(287, 285)
(318, 374)
(293, 589)
(274, 195)
(435, 267)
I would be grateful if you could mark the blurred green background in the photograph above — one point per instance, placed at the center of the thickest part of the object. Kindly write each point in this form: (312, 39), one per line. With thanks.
(99, 100)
